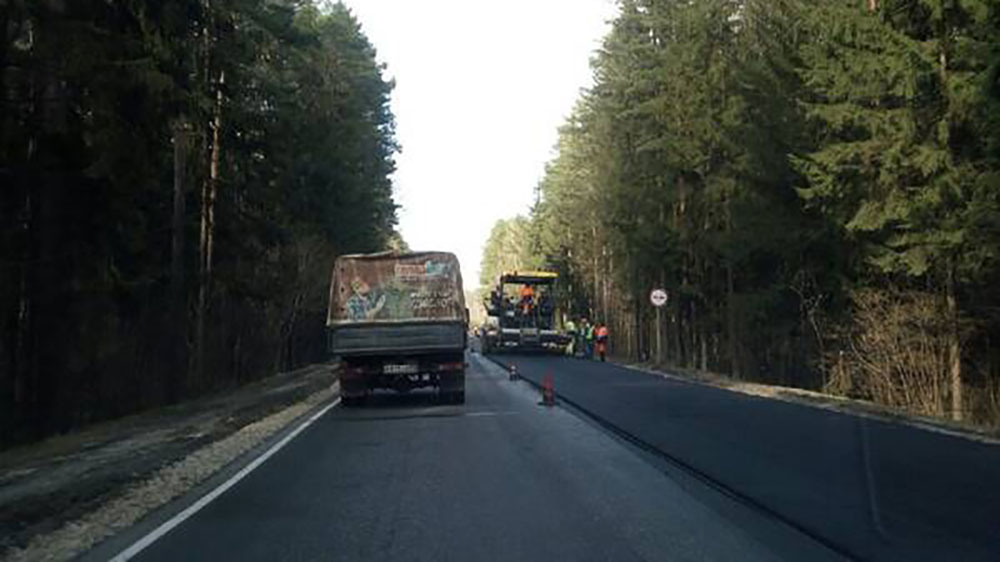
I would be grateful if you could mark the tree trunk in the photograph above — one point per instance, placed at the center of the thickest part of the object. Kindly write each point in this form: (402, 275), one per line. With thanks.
(22, 311)
(44, 189)
(988, 345)
(695, 344)
(661, 329)
(704, 350)
(178, 309)
(637, 328)
(691, 343)
(209, 188)
(954, 337)
(181, 147)
(46, 276)
(597, 280)
(21, 367)
(954, 349)
(734, 364)
(605, 289)
(677, 354)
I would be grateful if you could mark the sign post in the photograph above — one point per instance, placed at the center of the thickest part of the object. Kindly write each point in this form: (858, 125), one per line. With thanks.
(658, 297)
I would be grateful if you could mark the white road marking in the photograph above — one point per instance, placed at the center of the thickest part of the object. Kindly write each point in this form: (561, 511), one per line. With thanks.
(870, 486)
(488, 414)
(176, 520)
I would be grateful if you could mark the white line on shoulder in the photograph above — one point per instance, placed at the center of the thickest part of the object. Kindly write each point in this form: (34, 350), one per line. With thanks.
(176, 520)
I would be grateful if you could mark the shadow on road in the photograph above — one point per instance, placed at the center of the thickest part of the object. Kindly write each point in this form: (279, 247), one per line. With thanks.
(389, 405)
(391, 400)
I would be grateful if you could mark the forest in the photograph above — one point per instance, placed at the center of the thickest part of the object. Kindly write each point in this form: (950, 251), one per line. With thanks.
(177, 178)
(815, 183)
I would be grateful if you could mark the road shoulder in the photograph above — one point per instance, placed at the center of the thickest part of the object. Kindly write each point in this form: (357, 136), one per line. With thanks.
(71, 494)
(823, 401)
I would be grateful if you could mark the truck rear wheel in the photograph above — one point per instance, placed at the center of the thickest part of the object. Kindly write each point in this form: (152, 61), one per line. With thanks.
(352, 394)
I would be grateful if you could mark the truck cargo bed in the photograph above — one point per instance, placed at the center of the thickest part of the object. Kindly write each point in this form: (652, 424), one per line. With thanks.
(403, 338)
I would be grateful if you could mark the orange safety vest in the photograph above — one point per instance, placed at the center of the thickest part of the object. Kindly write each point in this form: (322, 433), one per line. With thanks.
(527, 291)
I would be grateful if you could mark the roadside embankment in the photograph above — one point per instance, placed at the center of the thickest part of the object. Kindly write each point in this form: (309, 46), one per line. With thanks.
(63, 495)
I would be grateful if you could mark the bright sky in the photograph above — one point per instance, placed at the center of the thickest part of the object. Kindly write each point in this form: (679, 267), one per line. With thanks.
(481, 88)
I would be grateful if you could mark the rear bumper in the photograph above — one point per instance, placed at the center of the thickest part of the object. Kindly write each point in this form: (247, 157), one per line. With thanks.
(360, 375)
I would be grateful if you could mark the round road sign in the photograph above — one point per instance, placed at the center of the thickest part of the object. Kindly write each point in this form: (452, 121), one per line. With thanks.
(658, 297)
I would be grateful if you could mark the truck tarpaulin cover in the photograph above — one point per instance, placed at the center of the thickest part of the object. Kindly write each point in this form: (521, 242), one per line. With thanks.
(396, 287)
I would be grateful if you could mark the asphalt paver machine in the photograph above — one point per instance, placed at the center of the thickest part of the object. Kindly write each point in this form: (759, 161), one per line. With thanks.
(524, 306)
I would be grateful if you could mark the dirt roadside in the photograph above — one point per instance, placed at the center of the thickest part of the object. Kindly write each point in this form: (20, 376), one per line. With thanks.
(64, 483)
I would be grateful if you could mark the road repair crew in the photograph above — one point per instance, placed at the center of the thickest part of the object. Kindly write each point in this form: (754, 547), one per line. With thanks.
(527, 298)
(581, 338)
(589, 338)
(571, 332)
(602, 340)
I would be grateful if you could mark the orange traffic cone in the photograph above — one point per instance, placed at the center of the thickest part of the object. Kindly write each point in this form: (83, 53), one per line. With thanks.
(548, 391)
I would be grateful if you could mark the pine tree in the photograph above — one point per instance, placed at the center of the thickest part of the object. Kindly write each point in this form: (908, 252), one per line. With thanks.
(125, 127)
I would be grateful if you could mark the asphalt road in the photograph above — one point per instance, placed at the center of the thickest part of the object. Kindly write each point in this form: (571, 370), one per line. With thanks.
(877, 490)
(499, 478)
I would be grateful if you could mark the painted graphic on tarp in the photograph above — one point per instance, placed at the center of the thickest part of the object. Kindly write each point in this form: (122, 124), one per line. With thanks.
(396, 287)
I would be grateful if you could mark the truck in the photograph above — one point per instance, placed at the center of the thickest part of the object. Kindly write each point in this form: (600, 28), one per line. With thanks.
(523, 322)
(398, 321)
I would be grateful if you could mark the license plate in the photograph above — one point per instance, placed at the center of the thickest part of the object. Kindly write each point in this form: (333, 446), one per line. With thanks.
(400, 368)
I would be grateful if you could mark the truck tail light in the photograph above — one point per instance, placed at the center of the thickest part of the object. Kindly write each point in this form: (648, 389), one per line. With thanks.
(454, 366)
(354, 370)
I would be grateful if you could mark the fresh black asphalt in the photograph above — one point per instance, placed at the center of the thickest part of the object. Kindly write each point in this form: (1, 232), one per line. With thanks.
(499, 478)
(879, 490)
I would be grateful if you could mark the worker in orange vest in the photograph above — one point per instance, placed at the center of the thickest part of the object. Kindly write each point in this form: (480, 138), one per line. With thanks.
(602, 340)
(527, 298)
